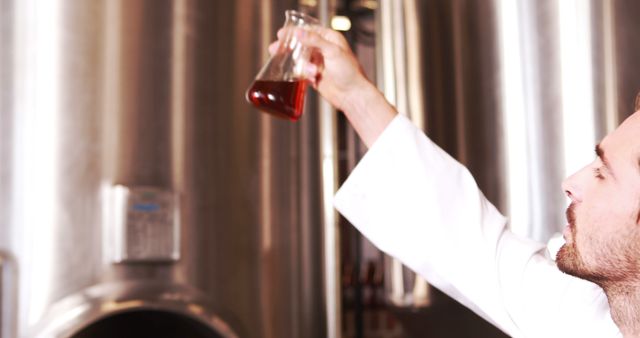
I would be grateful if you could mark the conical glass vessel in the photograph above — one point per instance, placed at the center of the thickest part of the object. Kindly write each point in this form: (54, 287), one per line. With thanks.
(279, 88)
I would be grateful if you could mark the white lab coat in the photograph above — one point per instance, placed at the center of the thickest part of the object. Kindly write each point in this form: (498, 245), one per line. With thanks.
(416, 203)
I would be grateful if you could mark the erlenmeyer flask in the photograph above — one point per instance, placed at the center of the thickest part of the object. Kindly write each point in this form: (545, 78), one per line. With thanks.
(279, 88)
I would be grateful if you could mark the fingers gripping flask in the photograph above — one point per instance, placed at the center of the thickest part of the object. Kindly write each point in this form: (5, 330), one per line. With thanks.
(279, 88)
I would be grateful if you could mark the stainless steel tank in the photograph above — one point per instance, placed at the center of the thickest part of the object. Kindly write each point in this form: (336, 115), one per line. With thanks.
(136, 182)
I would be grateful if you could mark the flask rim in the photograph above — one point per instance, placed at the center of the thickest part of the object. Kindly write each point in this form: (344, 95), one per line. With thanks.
(300, 18)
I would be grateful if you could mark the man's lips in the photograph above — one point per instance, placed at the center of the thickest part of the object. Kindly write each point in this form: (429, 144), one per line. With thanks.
(567, 234)
(569, 229)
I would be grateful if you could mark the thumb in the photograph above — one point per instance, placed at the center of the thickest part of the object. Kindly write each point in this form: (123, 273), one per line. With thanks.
(273, 47)
(312, 73)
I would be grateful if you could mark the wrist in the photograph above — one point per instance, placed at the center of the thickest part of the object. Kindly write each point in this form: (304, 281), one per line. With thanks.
(356, 98)
(367, 110)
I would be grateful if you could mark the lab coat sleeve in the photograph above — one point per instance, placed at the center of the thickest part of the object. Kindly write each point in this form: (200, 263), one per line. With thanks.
(416, 203)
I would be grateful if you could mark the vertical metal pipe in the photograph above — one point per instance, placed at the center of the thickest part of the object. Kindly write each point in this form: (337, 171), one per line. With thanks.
(330, 224)
(266, 189)
(8, 312)
(6, 120)
(181, 73)
(329, 162)
(414, 64)
(610, 65)
(397, 60)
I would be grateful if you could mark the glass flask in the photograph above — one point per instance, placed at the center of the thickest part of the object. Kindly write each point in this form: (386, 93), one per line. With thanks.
(279, 88)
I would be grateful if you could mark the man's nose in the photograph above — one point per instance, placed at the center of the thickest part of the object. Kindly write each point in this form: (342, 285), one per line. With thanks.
(571, 187)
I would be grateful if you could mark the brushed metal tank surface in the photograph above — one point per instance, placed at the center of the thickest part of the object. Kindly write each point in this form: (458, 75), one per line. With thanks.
(95, 94)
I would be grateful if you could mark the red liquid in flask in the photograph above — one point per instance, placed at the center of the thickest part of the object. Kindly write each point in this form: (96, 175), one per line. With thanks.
(283, 99)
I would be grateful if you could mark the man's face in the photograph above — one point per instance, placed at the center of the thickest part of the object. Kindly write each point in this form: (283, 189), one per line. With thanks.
(603, 235)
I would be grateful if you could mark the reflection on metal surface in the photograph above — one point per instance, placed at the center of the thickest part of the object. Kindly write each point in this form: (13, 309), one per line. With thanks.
(368, 5)
(573, 105)
(111, 306)
(398, 55)
(36, 157)
(610, 64)
(181, 73)
(518, 33)
(574, 25)
(8, 296)
(513, 104)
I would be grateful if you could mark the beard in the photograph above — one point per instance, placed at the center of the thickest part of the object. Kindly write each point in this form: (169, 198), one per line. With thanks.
(568, 257)
(569, 261)
(612, 260)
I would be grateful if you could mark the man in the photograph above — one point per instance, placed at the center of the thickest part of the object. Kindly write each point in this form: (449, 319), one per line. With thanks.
(419, 205)
(603, 235)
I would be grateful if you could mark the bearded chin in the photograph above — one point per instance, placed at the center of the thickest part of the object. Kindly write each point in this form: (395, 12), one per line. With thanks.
(569, 261)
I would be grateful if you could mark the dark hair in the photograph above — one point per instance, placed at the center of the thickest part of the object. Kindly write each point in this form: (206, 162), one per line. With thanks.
(637, 107)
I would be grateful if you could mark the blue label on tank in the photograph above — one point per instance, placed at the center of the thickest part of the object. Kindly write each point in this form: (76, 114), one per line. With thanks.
(146, 207)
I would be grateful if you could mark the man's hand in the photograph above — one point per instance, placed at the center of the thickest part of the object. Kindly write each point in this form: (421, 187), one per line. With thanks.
(338, 77)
